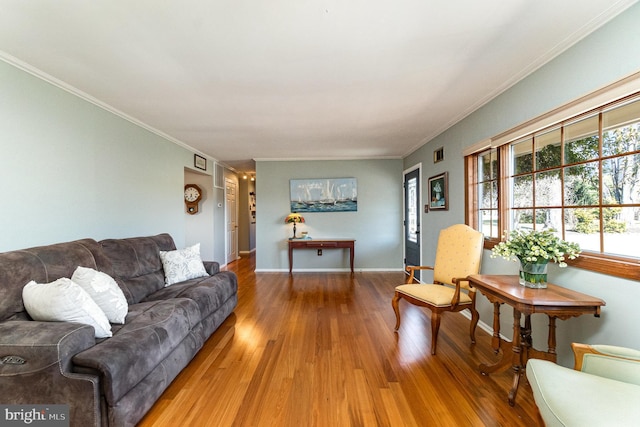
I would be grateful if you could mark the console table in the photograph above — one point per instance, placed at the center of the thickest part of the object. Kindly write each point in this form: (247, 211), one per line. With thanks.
(321, 244)
(554, 301)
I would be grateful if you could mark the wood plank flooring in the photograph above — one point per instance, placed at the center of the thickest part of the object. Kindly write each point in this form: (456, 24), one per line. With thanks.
(319, 349)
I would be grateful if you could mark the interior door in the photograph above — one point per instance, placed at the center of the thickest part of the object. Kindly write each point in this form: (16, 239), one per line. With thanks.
(232, 221)
(412, 218)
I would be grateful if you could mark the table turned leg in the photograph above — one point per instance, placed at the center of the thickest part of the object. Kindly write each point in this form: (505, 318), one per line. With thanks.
(496, 340)
(552, 339)
(517, 363)
(527, 342)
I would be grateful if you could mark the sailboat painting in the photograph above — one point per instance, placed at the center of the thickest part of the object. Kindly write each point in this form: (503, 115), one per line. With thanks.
(324, 195)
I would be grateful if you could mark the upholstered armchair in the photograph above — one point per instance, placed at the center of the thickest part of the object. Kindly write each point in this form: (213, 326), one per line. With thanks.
(603, 389)
(458, 255)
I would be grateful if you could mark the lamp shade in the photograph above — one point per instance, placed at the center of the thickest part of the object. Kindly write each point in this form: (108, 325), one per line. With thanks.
(294, 217)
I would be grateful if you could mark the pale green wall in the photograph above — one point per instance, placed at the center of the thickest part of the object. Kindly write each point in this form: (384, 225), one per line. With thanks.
(608, 55)
(69, 169)
(376, 226)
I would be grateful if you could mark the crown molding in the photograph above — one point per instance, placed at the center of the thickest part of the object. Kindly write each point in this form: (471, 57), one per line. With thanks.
(324, 159)
(28, 68)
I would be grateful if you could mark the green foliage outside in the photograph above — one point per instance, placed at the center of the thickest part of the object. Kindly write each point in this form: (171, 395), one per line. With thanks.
(620, 178)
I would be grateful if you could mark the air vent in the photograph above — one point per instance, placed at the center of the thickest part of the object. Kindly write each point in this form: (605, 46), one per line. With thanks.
(438, 155)
(218, 175)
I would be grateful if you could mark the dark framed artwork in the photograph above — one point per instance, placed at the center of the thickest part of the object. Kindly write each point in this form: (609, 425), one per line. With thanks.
(323, 195)
(439, 192)
(200, 162)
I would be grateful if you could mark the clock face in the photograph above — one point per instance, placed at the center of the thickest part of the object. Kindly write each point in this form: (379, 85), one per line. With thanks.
(191, 194)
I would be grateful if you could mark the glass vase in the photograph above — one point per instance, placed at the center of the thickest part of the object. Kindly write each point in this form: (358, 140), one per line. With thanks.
(533, 275)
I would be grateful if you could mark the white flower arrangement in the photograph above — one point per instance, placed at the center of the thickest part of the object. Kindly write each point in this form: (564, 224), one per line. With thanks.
(536, 247)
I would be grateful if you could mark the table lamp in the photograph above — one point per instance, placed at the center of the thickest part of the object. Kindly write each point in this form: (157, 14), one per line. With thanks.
(294, 218)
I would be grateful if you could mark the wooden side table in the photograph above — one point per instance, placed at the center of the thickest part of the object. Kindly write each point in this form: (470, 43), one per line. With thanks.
(321, 244)
(554, 301)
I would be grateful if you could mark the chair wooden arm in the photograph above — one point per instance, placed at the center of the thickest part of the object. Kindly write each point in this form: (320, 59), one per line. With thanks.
(456, 296)
(411, 269)
(580, 350)
(608, 361)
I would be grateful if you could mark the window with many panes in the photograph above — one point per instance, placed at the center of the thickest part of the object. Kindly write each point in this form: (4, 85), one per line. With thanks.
(580, 177)
(487, 188)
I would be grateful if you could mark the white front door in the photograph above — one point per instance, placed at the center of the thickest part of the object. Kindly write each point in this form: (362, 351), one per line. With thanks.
(232, 221)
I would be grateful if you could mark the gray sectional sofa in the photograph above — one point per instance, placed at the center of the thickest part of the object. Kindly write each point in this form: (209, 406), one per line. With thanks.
(106, 381)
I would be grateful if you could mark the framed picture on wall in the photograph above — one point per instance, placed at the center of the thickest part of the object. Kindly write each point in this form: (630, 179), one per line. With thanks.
(200, 162)
(439, 192)
(324, 195)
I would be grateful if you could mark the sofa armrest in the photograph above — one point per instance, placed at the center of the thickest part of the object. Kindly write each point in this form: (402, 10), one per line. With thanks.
(618, 363)
(212, 267)
(566, 397)
(36, 367)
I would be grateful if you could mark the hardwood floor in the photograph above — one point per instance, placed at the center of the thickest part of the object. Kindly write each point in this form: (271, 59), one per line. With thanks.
(316, 349)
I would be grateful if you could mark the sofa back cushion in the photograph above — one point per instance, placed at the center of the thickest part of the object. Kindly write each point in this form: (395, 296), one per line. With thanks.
(43, 264)
(136, 264)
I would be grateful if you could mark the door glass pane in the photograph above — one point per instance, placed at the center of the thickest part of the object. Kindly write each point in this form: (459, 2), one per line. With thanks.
(412, 211)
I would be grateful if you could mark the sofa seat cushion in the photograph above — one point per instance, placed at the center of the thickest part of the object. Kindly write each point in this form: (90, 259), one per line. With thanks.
(152, 330)
(209, 293)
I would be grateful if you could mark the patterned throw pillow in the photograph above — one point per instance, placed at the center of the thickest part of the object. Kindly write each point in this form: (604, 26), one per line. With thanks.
(182, 264)
(104, 290)
(64, 301)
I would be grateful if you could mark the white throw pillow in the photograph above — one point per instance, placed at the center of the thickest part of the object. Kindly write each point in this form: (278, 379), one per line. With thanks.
(104, 290)
(182, 264)
(64, 301)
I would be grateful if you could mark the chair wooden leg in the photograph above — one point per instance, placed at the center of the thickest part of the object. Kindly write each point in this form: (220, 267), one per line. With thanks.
(475, 316)
(394, 304)
(435, 327)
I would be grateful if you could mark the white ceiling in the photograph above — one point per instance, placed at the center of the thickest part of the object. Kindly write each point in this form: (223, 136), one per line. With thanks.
(287, 79)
